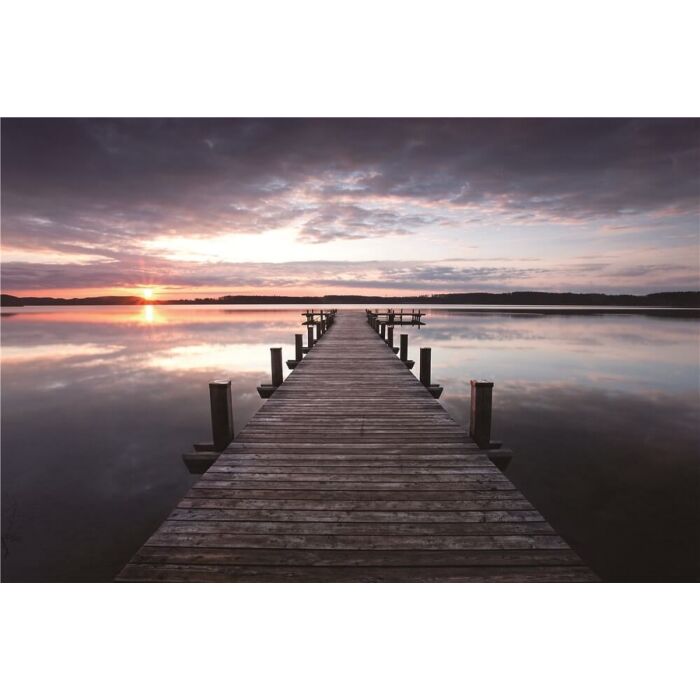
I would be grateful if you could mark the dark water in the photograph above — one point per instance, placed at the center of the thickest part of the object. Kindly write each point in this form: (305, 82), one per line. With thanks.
(98, 403)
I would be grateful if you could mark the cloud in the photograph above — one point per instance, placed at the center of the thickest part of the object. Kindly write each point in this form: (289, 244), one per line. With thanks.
(119, 178)
(104, 188)
(352, 222)
(340, 276)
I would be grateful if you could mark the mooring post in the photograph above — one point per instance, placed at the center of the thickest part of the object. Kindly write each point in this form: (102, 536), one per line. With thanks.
(382, 330)
(480, 413)
(221, 413)
(276, 362)
(390, 336)
(403, 342)
(309, 337)
(299, 350)
(425, 367)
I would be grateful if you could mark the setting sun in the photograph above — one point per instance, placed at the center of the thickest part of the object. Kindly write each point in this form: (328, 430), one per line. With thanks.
(148, 294)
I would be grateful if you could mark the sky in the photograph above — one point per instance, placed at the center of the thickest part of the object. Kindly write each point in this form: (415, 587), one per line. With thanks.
(206, 207)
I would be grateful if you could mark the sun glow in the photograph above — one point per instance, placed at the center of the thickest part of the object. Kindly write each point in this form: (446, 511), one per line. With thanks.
(147, 293)
(149, 314)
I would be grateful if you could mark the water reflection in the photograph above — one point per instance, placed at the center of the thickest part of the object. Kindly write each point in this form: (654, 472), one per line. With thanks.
(149, 314)
(602, 413)
(98, 403)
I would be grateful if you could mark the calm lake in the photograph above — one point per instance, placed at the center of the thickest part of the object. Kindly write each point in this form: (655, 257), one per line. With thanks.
(98, 403)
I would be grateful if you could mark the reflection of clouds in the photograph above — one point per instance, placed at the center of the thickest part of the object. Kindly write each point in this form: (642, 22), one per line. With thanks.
(175, 315)
(641, 351)
(212, 356)
(565, 328)
(57, 352)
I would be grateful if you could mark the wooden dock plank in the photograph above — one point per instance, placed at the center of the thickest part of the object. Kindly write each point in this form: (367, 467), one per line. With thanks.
(352, 471)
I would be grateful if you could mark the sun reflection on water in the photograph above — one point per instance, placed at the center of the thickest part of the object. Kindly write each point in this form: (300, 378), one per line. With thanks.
(149, 314)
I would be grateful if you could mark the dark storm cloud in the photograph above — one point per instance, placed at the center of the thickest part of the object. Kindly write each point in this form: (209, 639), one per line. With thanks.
(104, 181)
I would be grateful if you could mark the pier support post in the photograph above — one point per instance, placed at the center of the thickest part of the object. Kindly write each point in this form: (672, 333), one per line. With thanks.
(390, 339)
(382, 330)
(403, 350)
(276, 365)
(221, 413)
(434, 389)
(309, 336)
(298, 351)
(425, 366)
(480, 413)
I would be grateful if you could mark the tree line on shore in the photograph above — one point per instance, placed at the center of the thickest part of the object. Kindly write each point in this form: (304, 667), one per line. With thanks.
(658, 299)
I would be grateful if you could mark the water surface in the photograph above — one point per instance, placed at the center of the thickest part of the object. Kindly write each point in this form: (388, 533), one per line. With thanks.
(98, 403)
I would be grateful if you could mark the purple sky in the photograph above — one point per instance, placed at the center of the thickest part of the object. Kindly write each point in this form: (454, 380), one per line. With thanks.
(195, 207)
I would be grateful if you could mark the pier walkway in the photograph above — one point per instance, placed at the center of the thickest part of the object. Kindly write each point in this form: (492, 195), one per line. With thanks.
(352, 471)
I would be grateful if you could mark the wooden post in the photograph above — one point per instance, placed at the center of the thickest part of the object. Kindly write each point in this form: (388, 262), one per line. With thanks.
(221, 413)
(390, 336)
(403, 342)
(425, 367)
(480, 413)
(310, 336)
(382, 330)
(298, 346)
(276, 362)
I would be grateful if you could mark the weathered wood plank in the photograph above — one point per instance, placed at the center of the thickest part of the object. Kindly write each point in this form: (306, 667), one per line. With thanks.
(367, 557)
(358, 574)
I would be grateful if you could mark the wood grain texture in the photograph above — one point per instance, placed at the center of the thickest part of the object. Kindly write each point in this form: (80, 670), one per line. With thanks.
(352, 471)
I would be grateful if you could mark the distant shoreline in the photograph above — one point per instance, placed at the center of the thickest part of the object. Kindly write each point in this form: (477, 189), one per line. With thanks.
(533, 310)
(513, 301)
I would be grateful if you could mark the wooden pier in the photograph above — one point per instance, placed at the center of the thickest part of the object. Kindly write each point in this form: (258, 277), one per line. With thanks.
(352, 471)
(398, 318)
